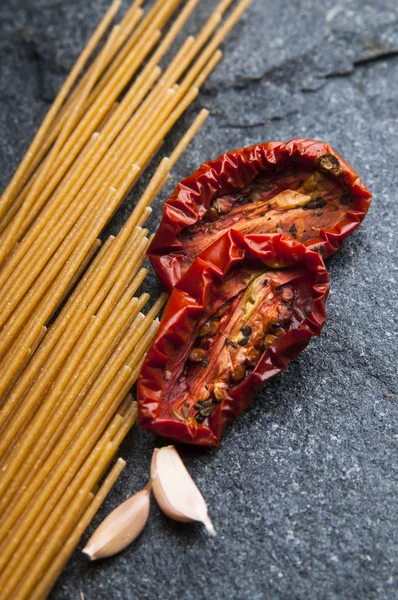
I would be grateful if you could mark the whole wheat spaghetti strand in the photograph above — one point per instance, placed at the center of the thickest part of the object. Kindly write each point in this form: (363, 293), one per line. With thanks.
(14, 184)
(77, 324)
(82, 269)
(31, 351)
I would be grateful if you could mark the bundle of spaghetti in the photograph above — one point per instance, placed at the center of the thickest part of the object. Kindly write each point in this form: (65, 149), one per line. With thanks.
(103, 165)
(70, 392)
(65, 402)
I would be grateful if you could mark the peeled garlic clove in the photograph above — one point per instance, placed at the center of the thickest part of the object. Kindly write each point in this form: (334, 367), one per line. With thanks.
(175, 491)
(120, 527)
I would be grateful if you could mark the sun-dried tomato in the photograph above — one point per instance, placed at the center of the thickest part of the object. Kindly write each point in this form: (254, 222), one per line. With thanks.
(302, 189)
(247, 306)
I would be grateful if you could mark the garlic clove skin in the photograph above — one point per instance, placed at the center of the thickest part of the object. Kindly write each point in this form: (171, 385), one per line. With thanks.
(175, 491)
(121, 527)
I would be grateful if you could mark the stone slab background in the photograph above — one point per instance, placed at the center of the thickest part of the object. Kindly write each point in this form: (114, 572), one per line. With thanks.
(303, 490)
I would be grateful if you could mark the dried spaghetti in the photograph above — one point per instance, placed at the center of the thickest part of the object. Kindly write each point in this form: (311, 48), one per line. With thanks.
(65, 403)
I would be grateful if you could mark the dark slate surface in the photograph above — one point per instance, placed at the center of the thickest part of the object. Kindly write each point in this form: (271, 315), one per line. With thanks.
(303, 491)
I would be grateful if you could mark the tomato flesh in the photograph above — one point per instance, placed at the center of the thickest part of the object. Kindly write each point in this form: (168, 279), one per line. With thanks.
(296, 201)
(230, 338)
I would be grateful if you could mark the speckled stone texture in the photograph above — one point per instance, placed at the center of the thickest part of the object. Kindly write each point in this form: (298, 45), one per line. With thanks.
(303, 490)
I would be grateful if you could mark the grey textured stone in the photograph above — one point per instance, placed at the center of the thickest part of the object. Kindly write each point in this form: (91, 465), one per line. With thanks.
(303, 490)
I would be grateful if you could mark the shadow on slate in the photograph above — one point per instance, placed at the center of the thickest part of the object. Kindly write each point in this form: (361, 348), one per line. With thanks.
(303, 489)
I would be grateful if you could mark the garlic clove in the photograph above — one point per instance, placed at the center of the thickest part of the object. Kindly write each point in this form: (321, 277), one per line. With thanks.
(175, 491)
(121, 527)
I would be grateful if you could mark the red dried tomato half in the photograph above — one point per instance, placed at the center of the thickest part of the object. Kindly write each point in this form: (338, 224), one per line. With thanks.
(247, 306)
(301, 188)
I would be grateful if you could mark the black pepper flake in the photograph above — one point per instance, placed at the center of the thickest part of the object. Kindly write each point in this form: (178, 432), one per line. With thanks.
(265, 282)
(244, 341)
(252, 301)
(205, 363)
(246, 331)
(316, 203)
(293, 230)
